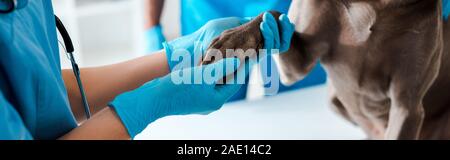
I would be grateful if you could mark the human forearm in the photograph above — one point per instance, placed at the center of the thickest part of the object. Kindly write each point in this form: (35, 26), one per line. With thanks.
(153, 12)
(105, 125)
(104, 83)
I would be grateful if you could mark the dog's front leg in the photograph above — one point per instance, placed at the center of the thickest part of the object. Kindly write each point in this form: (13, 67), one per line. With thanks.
(407, 90)
(409, 83)
(405, 119)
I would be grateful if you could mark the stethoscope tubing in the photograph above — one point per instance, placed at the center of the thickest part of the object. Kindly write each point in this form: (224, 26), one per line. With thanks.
(11, 7)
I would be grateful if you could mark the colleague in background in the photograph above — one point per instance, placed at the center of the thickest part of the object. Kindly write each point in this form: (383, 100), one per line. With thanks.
(195, 13)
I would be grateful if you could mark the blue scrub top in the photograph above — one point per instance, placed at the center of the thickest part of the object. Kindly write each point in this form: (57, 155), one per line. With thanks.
(33, 98)
(446, 8)
(195, 13)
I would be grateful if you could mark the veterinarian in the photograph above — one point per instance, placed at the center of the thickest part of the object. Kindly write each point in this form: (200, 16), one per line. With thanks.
(195, 13)
(38, 100)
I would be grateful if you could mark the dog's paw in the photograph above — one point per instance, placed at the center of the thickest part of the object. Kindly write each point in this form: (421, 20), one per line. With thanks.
(238, 42)
(242, 42)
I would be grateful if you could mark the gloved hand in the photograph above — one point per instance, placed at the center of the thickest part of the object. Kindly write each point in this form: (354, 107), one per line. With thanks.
(155, 39)
(196, 44)
(165, 96)
(273, 39)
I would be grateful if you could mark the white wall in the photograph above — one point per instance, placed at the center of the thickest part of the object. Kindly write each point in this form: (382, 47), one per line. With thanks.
(109, 31)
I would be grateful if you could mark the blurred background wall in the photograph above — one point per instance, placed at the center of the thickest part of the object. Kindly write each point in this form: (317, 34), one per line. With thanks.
(109, 31)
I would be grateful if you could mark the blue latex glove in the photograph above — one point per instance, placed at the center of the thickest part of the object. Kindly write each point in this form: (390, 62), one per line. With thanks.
(155, 39)
(198, 42)
(273, 39)
(165, 97)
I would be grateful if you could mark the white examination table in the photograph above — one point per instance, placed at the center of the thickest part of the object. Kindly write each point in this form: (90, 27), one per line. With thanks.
(301, 114)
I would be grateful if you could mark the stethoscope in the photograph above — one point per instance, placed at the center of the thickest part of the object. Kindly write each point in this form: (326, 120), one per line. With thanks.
(12, 5)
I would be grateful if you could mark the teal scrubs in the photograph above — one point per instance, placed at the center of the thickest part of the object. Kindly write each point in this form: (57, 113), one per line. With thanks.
(446, 8)
(33, 98)
(195, 13)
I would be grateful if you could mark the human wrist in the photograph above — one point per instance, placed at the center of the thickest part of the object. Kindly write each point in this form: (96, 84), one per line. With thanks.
(181, 51)
(133, 124)
(168, 49)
